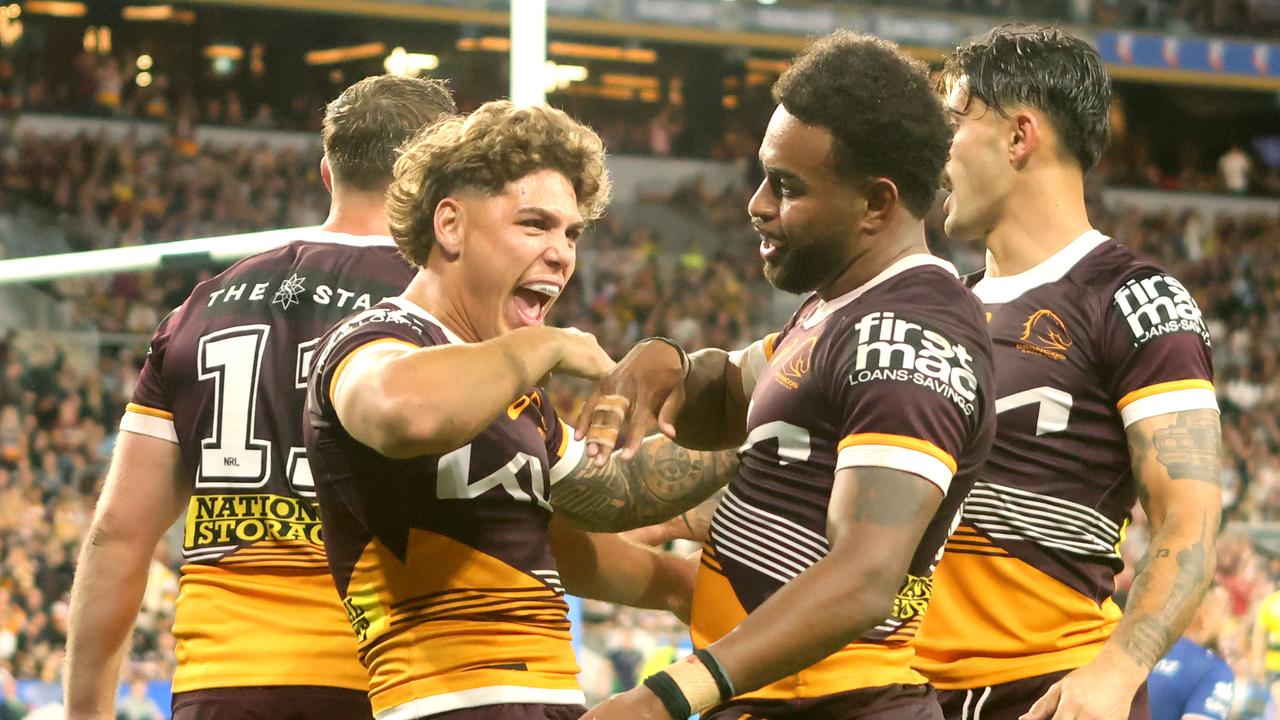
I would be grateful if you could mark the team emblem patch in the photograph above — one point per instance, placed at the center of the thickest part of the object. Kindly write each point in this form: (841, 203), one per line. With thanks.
(1045, 334)
(793, 363)
(289, 291)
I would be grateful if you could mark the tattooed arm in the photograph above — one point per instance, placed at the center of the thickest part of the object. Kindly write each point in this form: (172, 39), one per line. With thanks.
(662, 480)
(693, 524)
(1176, 465)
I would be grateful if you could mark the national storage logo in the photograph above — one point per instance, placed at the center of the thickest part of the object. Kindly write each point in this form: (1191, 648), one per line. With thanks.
(221, 520)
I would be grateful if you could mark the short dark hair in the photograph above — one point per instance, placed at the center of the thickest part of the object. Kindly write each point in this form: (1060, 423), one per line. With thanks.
(369, 121)
(1042, 68)
(880, 107)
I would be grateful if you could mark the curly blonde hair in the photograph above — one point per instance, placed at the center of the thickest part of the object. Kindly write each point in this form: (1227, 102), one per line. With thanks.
(493, 146)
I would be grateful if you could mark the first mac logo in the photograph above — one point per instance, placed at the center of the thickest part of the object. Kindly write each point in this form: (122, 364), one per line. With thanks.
(1158, 305)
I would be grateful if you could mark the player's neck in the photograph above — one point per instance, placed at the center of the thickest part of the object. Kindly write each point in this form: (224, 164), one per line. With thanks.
(876, 254)
(428, 292)
(357, 213)
(1043, 215)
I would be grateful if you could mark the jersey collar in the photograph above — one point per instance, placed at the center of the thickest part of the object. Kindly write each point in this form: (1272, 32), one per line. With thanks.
(328, 236)
(825, 308)
(414, 308)
(996, 290)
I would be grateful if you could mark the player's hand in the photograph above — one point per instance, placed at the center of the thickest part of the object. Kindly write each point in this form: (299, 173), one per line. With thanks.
(581, 355)
(1093, 692)
(644, 391)
(636, 704)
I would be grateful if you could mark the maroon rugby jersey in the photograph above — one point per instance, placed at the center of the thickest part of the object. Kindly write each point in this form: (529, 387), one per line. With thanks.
(894, 374)
(225, 379)
(443, 561)
(1087, 343)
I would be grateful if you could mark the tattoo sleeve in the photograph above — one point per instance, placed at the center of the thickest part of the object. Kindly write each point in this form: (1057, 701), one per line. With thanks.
(660, 482)
(1176, 466)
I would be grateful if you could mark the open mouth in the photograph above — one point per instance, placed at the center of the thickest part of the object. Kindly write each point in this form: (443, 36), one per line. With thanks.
(770, 249)
(533, 299)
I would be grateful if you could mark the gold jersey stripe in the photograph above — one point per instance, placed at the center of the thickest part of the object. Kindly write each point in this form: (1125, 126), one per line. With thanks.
(1164, 387)
(144, 410)
(903, 441)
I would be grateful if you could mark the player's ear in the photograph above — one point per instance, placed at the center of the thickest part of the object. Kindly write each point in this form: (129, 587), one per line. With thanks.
(450, 220)
(1024, 137)
(881, 197)
(326, 174)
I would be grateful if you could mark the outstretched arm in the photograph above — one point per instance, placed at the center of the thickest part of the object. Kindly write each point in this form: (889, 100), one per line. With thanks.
(694, 524)
(659, 482)
(405, 401)
(613, 569)
(144, 494)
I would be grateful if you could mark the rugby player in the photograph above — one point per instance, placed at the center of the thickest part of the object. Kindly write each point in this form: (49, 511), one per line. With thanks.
(215, 428)
(438, 458)
(862, 423)
(1105, 396)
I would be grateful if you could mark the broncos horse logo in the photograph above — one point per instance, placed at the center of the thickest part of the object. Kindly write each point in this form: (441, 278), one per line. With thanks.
(1045, 333)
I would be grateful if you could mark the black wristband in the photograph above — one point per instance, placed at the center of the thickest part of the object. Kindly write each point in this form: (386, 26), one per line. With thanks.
(670, 694)
(713, 666)
(685, 365)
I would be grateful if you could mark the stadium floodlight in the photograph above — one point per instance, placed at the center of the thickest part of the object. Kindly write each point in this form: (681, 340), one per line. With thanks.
(221, 249)
(528, 52)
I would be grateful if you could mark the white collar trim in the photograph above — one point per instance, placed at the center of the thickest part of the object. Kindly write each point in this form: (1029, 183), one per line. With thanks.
(327, 236)
(825, 308)
(414, 308)
(1003, 289)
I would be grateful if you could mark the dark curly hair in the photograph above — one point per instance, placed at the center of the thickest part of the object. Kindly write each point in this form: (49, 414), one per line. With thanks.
(880, 107)
(1043, 68)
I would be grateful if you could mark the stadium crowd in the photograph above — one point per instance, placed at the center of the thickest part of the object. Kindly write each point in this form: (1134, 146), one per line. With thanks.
(1253, 17)
(58, 410)
(105, 85)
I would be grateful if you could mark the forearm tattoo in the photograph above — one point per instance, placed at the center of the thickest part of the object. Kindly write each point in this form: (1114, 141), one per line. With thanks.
(660, 482)
(1174, 573)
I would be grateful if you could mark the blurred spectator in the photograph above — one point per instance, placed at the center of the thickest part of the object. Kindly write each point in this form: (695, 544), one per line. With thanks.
(137, 706)
(1191, 680)
(1234, 167)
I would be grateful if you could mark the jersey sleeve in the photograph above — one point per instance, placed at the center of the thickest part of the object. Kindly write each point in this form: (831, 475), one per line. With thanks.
(564, 452)
(150, 409)
(910, 406)
(374, 327)
(1157, 348)
(1211, 697)
(752, 360)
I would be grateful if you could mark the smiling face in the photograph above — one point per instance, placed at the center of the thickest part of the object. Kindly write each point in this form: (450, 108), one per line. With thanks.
(805, 213)
(978, 173)
(517, 250)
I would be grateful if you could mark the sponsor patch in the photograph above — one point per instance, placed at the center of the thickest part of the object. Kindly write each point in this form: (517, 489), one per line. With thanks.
(1159, 305)
(887, 347)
